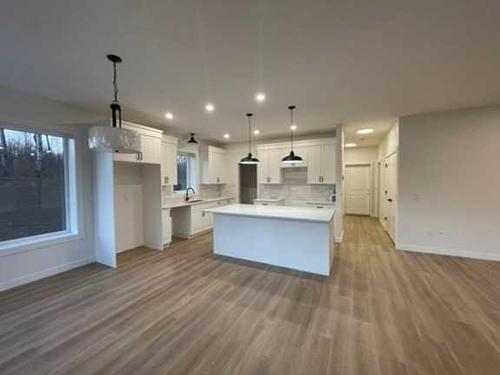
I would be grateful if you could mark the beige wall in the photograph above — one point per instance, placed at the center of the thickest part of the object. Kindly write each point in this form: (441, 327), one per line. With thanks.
(449, 183)
(390, 142)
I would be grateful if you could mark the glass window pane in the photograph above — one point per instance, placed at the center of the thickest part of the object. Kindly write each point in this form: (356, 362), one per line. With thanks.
(182, 171)
(32, 184)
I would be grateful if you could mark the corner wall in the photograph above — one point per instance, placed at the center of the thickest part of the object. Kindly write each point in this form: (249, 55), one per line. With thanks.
(449, 183)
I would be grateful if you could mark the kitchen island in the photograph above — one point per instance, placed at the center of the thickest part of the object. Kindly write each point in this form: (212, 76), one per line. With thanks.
(301, 238)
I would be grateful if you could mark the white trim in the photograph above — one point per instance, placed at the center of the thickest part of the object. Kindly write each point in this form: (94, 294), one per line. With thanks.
(26, 244)
(44, 273)
(448, 252)
(339, 239)
(306, 142)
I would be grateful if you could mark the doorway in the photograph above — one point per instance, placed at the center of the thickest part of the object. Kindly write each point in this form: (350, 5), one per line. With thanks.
(248, 183)
(357, 188)
(390, 194)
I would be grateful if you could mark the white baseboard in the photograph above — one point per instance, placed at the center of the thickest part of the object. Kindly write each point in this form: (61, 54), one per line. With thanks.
(448, 252)
(340, 238)
(44, 273)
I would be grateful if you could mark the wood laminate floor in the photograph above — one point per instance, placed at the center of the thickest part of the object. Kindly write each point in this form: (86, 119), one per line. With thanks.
(185, 311)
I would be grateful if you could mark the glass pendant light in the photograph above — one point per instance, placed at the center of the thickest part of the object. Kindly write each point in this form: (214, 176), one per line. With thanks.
(291, 158)
(249, 159)
(114, 138)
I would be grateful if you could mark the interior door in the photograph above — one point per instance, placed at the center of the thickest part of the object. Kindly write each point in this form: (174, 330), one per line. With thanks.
(390, 194)
(357, 185)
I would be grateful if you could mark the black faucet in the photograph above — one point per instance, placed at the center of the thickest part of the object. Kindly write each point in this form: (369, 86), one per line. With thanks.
(187, 193)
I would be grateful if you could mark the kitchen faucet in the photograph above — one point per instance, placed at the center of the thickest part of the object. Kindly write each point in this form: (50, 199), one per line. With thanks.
(187, 193)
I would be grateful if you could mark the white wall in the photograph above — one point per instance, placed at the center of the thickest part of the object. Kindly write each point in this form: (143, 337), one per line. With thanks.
(366, 155)
(449, 183)
(128, 206)
(27, 264)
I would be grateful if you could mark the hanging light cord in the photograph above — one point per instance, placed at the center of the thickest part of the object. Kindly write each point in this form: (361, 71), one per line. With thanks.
(291, 130)
(249, 115)
(115, 85)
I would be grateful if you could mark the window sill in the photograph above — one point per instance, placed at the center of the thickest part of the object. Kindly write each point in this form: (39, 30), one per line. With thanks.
(36, 242)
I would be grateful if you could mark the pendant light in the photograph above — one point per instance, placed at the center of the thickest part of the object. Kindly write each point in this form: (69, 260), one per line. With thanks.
(192, 140)
(114, 138)
(249, 159)
(291, 158)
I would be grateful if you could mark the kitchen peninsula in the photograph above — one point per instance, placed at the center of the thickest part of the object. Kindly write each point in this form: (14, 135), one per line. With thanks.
(300, 238)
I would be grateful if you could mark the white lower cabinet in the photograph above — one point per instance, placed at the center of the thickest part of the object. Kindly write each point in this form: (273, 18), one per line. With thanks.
(167, 227)
(188, 221)
(202, 221)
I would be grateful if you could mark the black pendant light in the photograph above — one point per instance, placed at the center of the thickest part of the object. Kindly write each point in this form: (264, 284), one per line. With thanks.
(116, 109)
(192, 140)
(249, 159)
(291, 158)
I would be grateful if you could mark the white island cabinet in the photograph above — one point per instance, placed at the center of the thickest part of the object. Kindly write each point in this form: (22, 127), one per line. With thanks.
(300, 238)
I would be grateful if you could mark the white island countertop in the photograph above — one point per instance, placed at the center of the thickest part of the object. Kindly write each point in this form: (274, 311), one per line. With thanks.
(318, 215)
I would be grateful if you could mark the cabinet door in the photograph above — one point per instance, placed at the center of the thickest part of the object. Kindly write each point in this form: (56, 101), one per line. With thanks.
(314, 164)
(221, 167)
(328, 163)
(274, 165)
(197, 221)
(169, 164)
(129, 158)
(212, 167)
(262, 167)
(151, 149)
(167, 227)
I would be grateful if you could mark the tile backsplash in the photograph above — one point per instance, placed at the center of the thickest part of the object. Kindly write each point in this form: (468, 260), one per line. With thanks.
(295, 187)
(204, 192)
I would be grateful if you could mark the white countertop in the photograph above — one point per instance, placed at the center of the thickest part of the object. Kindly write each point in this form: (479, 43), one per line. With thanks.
(183, 203)
(321, 215)
(274, 200)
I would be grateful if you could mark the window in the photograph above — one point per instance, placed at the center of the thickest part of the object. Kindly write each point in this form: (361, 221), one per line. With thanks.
(186, 171)
(33, 184)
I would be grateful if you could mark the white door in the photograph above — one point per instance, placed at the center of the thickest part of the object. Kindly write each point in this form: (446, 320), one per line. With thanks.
(390, 194)
(357, 186)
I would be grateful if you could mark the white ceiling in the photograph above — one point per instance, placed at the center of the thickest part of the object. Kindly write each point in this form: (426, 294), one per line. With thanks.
(337, 60)
(380, 129)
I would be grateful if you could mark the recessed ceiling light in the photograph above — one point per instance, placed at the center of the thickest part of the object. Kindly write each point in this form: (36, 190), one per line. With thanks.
(209, 107)
(169, 115)
(256, 132)
(260, 97)
(365, 131)
(293, 127)
(226, 136)
(349, 145)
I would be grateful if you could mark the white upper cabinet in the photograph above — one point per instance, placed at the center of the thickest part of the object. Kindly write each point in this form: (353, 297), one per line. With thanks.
(150, 145)
(169, 160)
(321, 163)
(213, 165)
(269, 167)
(319, 156)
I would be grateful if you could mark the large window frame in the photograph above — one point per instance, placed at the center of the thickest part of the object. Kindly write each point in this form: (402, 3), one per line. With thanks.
(71, 195)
